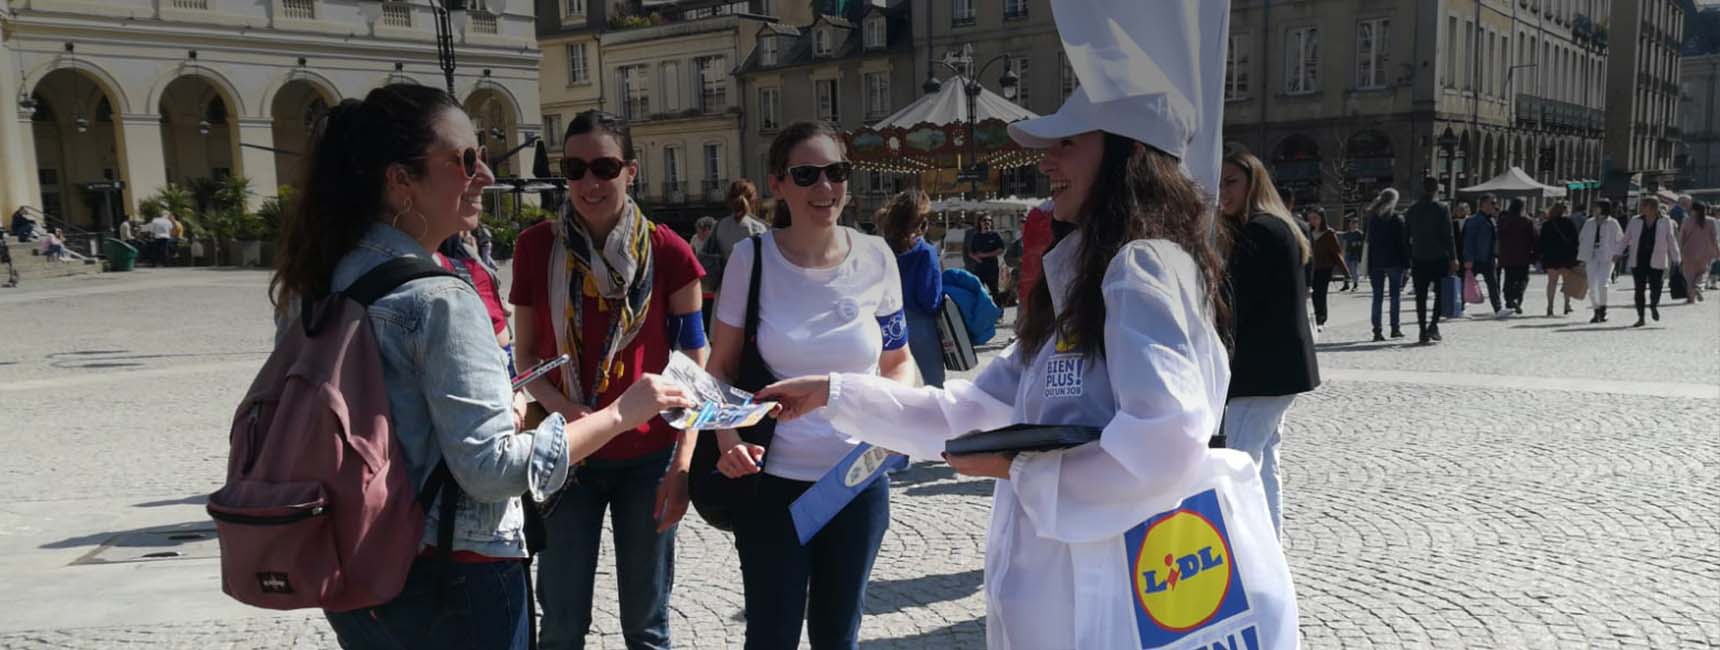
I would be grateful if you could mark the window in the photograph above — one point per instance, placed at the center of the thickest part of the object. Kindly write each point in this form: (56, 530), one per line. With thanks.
(552, 131)
(766, 8)
(1066, 75)
(1014, 9)
(1451, 52)
(635, 92)
(826, 91)
(877, 94)
(1302, 61)
(1468, 52)
(578, 72)
(672, 170)
(1022, 83)
(821, 42)
(713, 83)
(1235, 68)
(963, 12)
(877, 33)
(575, 9)
(671, 86)
(767, 50)
(713, 165)
(769, 109)
(1372, 55)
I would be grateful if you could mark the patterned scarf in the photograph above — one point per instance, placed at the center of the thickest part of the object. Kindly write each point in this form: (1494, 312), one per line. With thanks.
(618, 275)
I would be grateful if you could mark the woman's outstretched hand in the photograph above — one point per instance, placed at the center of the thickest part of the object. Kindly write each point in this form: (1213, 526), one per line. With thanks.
(796, 397)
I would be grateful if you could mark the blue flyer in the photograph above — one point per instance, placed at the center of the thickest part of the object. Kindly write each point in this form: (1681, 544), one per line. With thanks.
(820, 503)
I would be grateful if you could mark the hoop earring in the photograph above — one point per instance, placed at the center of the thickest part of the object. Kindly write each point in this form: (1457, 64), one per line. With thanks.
(425, 221)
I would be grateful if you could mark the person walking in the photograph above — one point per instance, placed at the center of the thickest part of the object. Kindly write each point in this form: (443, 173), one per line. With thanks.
(160, 238)
(1558, 250)
(606, 286)
(1273, 359)
(904, 221)
(392, 176)
(1598, 244)
(1650, 248)
(740, 224)
(1433, 255)
(1699, 241)
(829, 301)
(1354, 243)
(1328, 256)
(1388, 256)
(1516, 252)
(1481, 250)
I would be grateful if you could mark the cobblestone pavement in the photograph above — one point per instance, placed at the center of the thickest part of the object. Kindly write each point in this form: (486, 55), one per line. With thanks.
(1423, 510)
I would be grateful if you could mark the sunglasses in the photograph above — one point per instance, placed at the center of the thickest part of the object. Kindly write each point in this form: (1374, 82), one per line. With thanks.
(607, 169)
(469, 158)
(806, 175)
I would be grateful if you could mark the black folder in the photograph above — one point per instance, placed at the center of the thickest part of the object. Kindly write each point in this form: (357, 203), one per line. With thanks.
(1022, 437)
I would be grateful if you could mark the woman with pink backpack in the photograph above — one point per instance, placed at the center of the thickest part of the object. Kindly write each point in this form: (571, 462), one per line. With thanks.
(388, 179)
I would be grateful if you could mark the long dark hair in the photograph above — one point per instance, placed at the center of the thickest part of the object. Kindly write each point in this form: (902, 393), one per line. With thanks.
(341, 193)
(903, 217)
(1151, 199)
(605, 123)
(785, 143)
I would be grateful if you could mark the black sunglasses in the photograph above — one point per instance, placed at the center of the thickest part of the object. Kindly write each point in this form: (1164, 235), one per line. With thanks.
(468, 159)
(806, 175)
(607, 169)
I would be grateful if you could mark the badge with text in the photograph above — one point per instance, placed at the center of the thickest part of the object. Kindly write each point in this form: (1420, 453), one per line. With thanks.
(820, 503)
(1063, 376)
(1187, 589)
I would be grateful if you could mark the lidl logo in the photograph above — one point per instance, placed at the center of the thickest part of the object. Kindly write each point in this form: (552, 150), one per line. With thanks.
(1183, 576)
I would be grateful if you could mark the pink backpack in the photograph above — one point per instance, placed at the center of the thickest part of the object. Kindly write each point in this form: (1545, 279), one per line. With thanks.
(319, 508)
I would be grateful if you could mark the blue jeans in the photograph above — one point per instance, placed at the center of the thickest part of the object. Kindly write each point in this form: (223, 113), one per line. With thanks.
(644, 560)
(1255, 425)
(1379, 279)
(822, 583)
(482, 606)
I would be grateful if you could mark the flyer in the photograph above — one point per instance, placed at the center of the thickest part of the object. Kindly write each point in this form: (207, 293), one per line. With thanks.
(721, 406)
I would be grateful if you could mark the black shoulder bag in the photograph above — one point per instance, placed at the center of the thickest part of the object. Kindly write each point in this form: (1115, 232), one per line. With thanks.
(718, 499)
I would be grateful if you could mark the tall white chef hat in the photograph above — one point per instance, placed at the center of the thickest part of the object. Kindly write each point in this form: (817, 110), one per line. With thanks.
(1150, 70)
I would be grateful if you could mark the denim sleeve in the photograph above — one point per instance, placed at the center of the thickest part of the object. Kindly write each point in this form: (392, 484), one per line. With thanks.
(466, 389)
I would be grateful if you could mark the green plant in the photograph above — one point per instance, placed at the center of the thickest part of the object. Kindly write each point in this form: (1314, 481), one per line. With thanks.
(150, 207)
(272, 212)
(505, 227)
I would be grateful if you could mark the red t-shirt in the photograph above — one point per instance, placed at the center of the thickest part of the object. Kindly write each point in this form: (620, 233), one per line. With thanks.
(1035, 241)
(486, 287)
(676, 267)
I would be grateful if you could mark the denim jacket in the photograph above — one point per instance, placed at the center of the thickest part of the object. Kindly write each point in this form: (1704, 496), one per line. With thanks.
(449, 397)
(1480, 240)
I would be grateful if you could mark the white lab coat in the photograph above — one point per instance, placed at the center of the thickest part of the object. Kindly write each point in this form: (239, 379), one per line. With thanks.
(1665, 238)
(1594, 251)
(1057, 575)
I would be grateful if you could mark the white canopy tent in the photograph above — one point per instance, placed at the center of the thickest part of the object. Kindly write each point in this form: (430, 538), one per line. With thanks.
(1514, 183)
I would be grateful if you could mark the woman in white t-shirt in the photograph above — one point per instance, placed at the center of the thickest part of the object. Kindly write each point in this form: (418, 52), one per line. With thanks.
(829, 301)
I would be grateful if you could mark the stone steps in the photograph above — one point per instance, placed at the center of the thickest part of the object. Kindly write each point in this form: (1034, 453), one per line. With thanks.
(33, 266)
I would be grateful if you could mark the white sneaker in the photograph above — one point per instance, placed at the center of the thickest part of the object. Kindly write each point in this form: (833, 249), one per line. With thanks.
(1503, 313)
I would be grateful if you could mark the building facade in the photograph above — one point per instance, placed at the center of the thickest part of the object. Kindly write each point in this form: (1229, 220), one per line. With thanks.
(155, 91)
(1643, 93)
(1342, 99)
(1699, 79)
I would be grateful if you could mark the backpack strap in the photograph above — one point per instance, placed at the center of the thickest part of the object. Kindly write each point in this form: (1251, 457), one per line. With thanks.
(389, 275)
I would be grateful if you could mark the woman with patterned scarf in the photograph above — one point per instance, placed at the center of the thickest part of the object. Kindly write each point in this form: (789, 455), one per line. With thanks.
(616, 292)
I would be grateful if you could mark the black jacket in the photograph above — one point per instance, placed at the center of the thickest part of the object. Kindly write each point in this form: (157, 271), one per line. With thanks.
(1430, 236)
(1274, 351)
(1388, 242)
(1559, 243)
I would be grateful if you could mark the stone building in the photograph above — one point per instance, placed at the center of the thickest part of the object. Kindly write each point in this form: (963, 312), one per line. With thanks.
(1643, 91)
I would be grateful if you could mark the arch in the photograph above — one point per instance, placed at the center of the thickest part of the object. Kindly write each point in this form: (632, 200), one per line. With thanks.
(330, 93)
(76, 139)
(109, 85)
(229, 93)
(1296, 147)
(1368, 144)
(512, 100)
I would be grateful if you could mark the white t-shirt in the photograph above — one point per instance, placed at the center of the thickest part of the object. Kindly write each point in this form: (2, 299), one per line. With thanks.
(161, 228)
(814, 322)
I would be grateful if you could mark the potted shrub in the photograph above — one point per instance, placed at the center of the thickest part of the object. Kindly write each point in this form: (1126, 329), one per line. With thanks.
(270, 215)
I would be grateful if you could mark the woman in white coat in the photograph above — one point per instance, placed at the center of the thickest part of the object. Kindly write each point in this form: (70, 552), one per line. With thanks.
(1650, 248)
(1599, 242)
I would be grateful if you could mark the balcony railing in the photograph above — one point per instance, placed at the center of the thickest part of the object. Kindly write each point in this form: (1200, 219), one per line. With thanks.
(396, 14)
(191, 4)
(714, 189)
(483, 22)
(299, 9)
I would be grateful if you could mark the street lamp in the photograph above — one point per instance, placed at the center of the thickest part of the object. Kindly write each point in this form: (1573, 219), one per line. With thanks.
(1448, 142)
(445, 14)
(203, 127)
(962, 65)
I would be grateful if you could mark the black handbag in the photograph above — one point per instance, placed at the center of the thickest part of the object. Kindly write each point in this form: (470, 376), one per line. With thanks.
(718, 499)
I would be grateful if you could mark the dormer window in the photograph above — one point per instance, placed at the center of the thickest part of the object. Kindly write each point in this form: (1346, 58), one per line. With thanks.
(876, 33)
(768, 50)
(821, 42)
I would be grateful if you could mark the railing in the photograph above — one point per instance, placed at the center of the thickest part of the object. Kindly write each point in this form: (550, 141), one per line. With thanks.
(202, 5)
(299, 9)
(396, 14)
(714, 189)
(713, 101)
(483, 22)
(636, 108)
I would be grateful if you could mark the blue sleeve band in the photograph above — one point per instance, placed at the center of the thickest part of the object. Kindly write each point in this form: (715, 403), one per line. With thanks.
(895, 328)
(687, 330)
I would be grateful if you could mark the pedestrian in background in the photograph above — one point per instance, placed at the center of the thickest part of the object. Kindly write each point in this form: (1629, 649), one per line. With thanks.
(1558, 249)
(1354, 243)
(1650, 248)
(740, 224)
(1328, 256)
(904, 221)
(1433, 255)
(1273, 359)
(1699, 241)
(1516, 253)
(160, 238)
(1481, 250)
(984, 249)
(1388, 257)
(1598, 245)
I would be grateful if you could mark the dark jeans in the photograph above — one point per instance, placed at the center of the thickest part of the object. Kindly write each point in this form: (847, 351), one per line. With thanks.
(1516, 282)
(1429, 272)
(1648, 280)
(1489, 274)
(822, 583)
(1379, 279)
(644, 560)
(483, 606)
(1322, 285)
